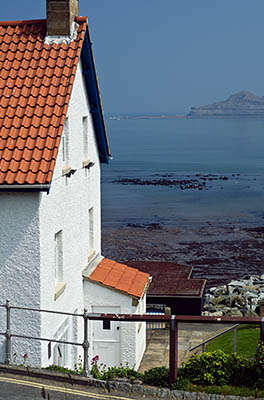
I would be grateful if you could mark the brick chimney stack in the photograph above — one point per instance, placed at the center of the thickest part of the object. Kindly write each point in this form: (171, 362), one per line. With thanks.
(60, 16)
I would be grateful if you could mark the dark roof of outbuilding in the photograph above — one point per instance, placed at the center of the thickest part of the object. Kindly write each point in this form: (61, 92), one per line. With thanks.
(170, 279)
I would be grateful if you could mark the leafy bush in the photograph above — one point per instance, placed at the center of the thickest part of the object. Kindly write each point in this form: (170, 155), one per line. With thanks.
(208, 368)
(242, 370)
(158, 376)
(259, 359)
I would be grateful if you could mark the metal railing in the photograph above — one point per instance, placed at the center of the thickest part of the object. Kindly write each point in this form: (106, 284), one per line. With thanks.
(173, 321)
(204, 343)
(8, 333)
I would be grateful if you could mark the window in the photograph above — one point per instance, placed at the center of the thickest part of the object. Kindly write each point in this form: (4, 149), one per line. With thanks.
(58, 255)
(85, 137)
(65, 143)
(91, 228)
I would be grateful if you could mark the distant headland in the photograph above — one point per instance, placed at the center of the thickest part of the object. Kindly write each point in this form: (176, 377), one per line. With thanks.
(241, 104)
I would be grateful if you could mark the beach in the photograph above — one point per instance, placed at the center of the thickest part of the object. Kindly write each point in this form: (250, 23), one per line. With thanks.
(217, 252)
(189, 191)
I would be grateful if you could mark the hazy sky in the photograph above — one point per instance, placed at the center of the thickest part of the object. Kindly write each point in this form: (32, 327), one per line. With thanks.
(167, 55)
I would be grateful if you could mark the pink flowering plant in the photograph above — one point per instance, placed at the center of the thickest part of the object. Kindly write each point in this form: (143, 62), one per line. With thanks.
(100, 371)
(25, 359)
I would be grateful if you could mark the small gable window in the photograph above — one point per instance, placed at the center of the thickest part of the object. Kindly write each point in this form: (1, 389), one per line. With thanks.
(58, 265)
(58, 257)
(91, 228)
(66, 143)
(85, 137)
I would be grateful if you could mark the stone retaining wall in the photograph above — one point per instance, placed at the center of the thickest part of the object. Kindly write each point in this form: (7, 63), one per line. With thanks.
(117, 386)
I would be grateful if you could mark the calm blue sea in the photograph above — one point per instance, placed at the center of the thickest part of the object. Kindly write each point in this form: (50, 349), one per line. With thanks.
(182, 148)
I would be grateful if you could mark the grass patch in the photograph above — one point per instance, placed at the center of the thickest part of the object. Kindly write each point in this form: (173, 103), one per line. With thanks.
(247, 339)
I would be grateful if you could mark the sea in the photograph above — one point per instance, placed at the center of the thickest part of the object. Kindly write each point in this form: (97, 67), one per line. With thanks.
(225, 156)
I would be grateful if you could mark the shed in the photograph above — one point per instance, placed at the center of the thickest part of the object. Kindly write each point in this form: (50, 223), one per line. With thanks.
(173, 286)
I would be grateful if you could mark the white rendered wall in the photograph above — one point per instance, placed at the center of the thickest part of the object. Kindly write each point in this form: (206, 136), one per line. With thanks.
(66, 208)
(20, 271)
(133, 339)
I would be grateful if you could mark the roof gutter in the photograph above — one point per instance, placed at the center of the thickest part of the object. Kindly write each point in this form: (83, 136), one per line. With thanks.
(25, 188)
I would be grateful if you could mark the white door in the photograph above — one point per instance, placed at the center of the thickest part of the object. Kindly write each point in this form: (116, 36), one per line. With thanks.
(105, 338)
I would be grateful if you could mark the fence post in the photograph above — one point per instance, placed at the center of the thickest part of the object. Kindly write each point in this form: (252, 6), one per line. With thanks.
(85, 344)
(8, 333)
(235, 340)
(262, 329)
(173, 349)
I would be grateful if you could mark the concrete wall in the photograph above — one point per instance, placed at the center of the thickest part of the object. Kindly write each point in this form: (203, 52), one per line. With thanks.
(132, 335)
(20, 271)
(66, 208)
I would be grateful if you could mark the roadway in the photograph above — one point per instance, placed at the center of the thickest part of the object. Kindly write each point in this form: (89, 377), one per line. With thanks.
(15, 387)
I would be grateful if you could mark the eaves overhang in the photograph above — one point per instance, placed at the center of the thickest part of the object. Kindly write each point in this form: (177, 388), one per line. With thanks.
(25, 188)
(94, 97)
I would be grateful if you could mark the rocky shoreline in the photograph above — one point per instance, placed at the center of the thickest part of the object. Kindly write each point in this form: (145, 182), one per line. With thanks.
(199, 181)
(218, 252)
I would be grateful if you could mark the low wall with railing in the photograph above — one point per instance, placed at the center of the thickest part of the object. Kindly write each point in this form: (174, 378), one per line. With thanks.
(173, 321)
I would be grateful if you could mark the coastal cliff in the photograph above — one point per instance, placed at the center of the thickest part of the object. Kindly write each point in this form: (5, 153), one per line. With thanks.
(241, 104)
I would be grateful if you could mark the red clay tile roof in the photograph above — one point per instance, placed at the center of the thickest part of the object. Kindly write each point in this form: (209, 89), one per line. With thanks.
(120, 277)
(35, 86)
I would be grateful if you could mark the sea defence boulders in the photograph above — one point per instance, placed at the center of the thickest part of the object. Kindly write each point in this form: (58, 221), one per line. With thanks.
(237, 298)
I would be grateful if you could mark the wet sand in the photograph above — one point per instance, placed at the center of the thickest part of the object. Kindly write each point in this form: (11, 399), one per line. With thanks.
(218, 252)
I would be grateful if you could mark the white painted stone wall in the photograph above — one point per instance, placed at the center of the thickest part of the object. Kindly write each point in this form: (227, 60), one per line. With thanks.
(66, 208)
(133, 335)
(29, 222)
(20, 271)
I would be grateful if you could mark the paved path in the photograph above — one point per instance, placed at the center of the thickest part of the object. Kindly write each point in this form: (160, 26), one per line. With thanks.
(190, 334)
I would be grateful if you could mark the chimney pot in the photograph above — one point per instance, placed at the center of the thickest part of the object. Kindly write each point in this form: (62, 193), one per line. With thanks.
(60, 16)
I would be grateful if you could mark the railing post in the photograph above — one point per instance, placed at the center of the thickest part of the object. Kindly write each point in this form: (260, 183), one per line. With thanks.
(235, 340)
(173, 349)
(85, 343)
(8, 333)
(203, 348)
(262, 329)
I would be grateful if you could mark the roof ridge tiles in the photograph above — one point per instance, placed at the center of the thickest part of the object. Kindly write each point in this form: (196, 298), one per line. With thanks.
(23, 22)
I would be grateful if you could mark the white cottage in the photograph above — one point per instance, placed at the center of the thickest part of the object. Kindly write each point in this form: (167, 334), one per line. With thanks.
(52, 141)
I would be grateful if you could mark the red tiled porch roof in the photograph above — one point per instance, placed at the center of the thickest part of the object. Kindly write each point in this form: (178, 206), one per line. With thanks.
(120, 277)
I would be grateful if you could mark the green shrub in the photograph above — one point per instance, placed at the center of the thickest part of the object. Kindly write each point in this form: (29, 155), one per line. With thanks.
(208, 368)
(242, 370)
(259, 359)
(158, 376)
(259, 384)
